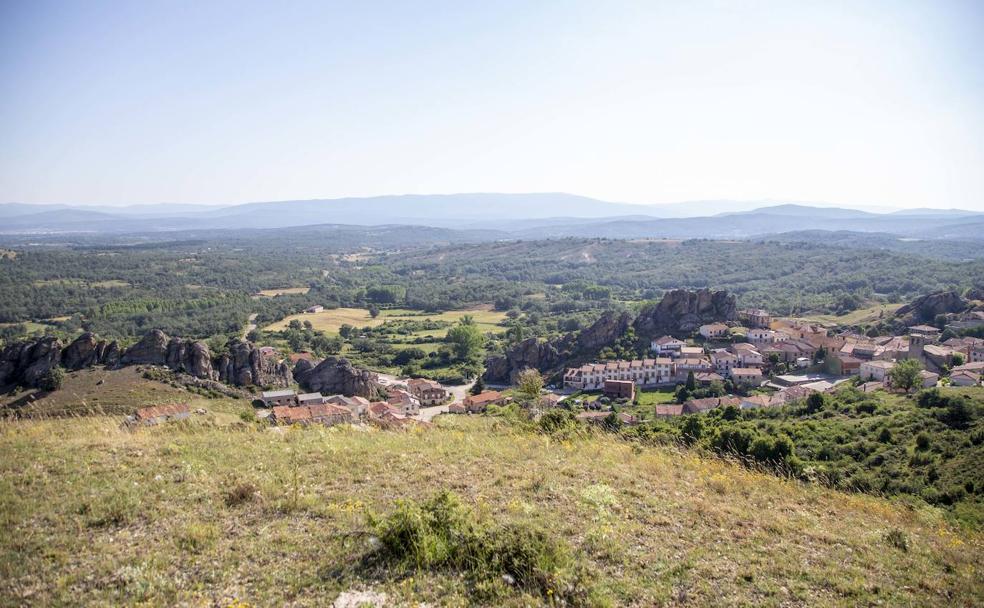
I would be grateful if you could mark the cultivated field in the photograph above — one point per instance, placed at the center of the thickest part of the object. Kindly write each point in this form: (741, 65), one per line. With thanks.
(270, 293)
(203, 514)
(330, 321)
(870, 314)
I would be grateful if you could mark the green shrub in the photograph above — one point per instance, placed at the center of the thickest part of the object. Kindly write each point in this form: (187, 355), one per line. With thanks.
(442, 534)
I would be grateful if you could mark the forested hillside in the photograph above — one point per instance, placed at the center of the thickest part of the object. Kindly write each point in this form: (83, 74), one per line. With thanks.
(202, 287)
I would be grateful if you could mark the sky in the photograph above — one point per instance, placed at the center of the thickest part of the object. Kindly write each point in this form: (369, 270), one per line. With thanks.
(853, 103)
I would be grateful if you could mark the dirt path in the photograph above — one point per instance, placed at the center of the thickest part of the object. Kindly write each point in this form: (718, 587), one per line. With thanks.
(250, 325)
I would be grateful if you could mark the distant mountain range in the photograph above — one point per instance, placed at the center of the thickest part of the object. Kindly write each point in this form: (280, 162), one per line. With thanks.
(541, 215)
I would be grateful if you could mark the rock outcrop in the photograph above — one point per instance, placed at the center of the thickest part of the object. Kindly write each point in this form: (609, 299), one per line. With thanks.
(532, 353)
(925, 308)
(87, 350)
(603, 332)
(25, 363)
(150, 350)
(681, 312)
(338, 375)
(244, 365)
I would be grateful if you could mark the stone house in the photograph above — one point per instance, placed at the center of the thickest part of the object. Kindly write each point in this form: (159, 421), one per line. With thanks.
(310, 399)
(278, 398)
(428, 392)
(667, 345)
(875, 370)
(713, 330)
(619, 389)
(749, 376)
(479, 403)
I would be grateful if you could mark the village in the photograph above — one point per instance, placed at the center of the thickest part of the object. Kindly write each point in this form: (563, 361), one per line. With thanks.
(769, 362)
(756, 362)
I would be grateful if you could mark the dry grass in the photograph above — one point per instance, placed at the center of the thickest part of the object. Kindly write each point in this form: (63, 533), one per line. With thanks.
(101, 391)
(331, 320)
(92, 515)
(856, 317)
(271, 293)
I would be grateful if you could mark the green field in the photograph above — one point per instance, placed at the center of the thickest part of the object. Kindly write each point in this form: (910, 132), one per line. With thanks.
(200, 513)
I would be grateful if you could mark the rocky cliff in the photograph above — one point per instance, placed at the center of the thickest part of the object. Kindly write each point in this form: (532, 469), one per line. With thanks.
(549, 356)
(24, 363)
(87, 350)
(532, 353)
(243, 365)
(681, 312)
(338, 375)
(925, 308)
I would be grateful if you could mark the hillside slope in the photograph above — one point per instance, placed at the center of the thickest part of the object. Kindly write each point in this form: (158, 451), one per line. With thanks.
(200, 514)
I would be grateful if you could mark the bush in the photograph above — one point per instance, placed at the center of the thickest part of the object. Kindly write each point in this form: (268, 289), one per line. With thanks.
(442, 534)
(52, 379)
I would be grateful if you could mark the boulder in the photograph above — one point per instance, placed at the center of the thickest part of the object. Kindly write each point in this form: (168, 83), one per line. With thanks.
(541, 355)
(26, 362)
(925, 308)
(681, 312)
(338, 375)
(84, 351)
(244, 365)
(150, 350)
(603, 332)
(192, 358)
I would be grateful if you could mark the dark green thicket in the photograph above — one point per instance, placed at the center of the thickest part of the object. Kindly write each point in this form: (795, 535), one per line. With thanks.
(497, 559)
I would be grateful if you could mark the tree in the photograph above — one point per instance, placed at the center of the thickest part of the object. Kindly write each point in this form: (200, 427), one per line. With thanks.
(529, 383)
(692, 429)
(373, 311)
(905, 375)
(254, 335)
(346, 330)
(958, 359)
(478, 387)
(466, 340)
(52, 379)
(691, 381)
(294, 324)
(816, 402)
(308, 325)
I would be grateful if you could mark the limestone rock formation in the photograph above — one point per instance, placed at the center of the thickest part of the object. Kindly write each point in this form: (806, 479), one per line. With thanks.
(338, 375)
(681, 312)
(244, 365)
(26, 362)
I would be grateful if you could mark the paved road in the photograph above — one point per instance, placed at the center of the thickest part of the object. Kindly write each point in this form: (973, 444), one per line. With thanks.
(427, 413)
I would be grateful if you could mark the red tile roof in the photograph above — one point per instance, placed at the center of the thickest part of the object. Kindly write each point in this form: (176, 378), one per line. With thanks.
(157, 411)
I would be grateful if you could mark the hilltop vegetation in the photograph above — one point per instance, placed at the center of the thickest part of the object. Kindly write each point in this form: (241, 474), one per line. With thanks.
(202, 287)
(927, 446)
(199, 513)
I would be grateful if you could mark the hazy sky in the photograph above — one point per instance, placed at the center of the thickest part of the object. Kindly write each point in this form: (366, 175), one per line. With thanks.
(860, 102)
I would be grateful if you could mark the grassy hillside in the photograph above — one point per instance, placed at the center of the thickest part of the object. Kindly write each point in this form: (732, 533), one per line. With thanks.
(102, 391)
(201, 513)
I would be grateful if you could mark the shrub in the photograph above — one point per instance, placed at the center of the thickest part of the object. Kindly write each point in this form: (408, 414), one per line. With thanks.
(52, 379)
(239, 494)
(442, 534)
(922, 441)
(898, 539)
